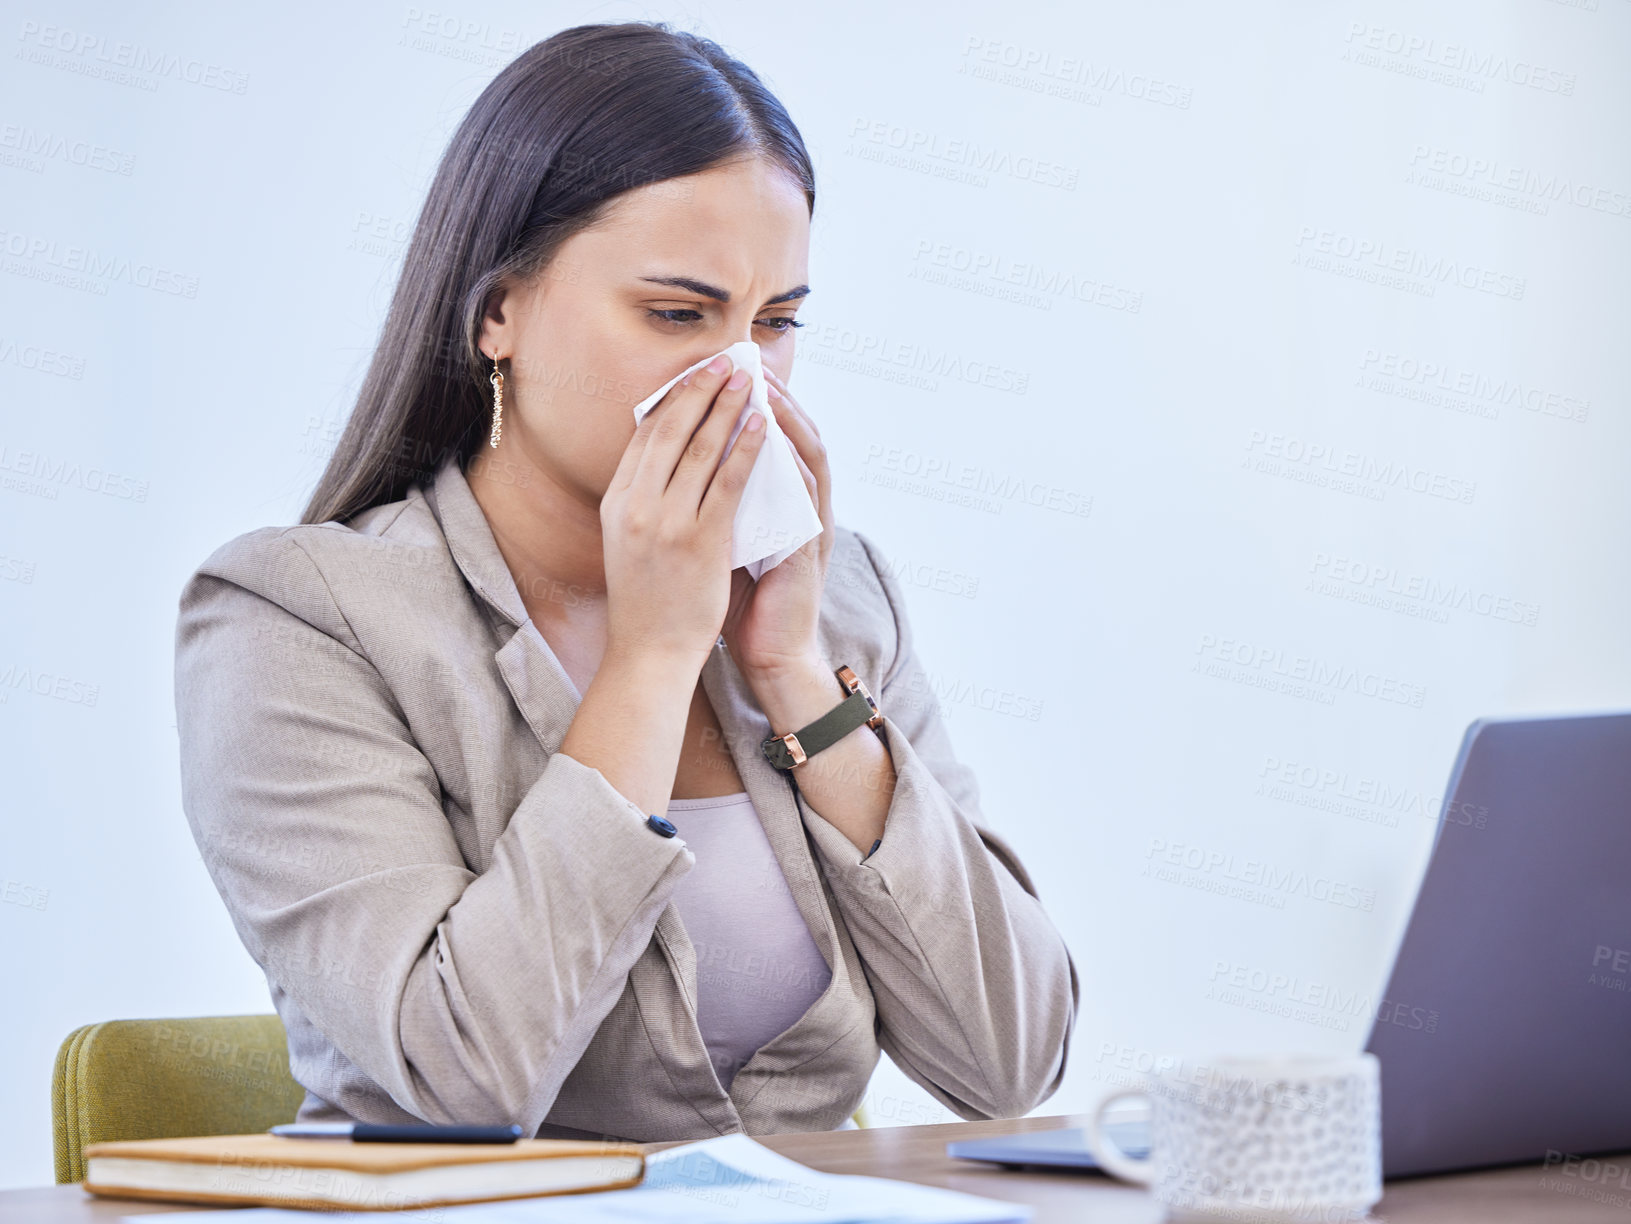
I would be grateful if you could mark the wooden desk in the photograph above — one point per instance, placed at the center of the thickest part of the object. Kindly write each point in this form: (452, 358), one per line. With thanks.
(1526, 1195)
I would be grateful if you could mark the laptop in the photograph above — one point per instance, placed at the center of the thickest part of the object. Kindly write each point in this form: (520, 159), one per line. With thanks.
(1504, 1033)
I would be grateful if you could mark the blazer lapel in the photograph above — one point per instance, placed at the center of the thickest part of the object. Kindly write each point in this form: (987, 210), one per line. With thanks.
(542, 690)
(471, 542)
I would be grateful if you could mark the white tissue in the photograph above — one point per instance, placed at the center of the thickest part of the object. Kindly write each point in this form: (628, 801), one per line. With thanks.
(775, 517)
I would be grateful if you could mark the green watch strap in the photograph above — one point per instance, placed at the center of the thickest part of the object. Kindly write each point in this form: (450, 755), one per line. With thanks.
(854, 711)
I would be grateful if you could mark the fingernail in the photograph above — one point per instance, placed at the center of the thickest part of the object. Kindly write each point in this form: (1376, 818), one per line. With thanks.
(771, 388)
(719, 364)
(738, 380)
(756, 422)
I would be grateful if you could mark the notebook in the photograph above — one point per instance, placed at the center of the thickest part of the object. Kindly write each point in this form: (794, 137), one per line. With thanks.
(269, 1170)
(730, 1179)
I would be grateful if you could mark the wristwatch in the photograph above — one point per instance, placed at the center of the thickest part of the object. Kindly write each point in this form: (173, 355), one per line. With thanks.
(789, 751)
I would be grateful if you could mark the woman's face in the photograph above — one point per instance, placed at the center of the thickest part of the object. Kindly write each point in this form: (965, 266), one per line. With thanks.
(675, 272)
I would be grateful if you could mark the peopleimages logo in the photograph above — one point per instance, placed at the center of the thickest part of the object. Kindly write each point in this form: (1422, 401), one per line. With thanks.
(1051, 281)
(971, 155)
(1496, 175)
(34, 146)
(93, 479)
(95, 55)
(1093, 78)
(1261, 879)
(1229, 658)
(88, 266)
(1313, 785)
(1331, 569)
(1277, 450)
(1485, 64)
(1318, 248)
(1439, 382)
(1291, 996)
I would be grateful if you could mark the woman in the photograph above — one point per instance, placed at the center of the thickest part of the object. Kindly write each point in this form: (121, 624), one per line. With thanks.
(436, 740)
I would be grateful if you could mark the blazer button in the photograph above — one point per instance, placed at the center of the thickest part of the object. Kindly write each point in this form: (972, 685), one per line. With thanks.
(658, 824)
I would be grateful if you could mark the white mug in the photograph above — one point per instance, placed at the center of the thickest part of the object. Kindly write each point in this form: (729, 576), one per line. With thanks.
(1296, 1138)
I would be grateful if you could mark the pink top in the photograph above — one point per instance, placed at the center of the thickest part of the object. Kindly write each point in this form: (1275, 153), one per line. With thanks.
(758, 968)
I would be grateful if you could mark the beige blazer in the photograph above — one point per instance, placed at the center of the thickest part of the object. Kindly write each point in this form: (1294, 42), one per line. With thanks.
(459, 923)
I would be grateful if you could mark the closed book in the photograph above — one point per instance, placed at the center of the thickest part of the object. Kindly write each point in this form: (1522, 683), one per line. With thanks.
(272, 1171)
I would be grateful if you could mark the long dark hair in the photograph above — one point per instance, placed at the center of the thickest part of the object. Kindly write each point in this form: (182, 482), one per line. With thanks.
(572, 122)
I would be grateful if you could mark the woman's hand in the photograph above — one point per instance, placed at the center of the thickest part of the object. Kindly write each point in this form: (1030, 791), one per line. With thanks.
(667, 517)
(770, 628)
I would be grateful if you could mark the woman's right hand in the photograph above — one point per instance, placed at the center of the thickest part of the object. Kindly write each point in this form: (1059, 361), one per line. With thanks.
(667, 519)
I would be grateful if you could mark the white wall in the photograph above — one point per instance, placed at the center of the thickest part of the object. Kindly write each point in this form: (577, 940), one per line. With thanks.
(1274, 220)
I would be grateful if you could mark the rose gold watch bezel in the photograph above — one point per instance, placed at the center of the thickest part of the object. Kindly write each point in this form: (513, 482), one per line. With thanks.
(853, 683)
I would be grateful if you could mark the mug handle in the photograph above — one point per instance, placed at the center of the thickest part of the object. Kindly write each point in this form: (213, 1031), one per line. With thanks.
(1110, 1157)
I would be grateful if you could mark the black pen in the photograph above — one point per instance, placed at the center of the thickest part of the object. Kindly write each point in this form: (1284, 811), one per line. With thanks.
(368, 1132)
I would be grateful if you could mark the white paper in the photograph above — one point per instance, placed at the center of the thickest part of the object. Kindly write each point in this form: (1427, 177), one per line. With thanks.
(728, 1180)
(775, 517)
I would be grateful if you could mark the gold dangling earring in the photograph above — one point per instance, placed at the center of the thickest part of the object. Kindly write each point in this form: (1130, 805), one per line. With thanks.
(497, 379)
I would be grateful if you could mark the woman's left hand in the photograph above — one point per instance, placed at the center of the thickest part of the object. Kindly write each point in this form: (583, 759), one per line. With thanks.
(770, 626)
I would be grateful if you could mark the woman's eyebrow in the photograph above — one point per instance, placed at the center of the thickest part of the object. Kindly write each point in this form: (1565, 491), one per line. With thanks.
(720, 295)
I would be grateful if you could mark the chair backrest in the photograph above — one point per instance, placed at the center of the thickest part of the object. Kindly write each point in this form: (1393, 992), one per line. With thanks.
(154, 1079)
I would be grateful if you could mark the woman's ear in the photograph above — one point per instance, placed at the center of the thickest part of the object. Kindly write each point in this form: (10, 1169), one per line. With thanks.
(495, 335)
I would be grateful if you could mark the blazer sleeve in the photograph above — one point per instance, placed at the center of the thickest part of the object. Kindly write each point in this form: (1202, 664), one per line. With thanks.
(467, 997)
(976, 991)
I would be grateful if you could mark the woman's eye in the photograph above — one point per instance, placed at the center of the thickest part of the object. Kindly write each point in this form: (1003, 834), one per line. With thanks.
(668, 316)
(780, 323)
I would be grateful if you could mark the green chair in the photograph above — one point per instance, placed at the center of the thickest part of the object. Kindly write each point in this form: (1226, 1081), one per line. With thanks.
(155, 1079)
